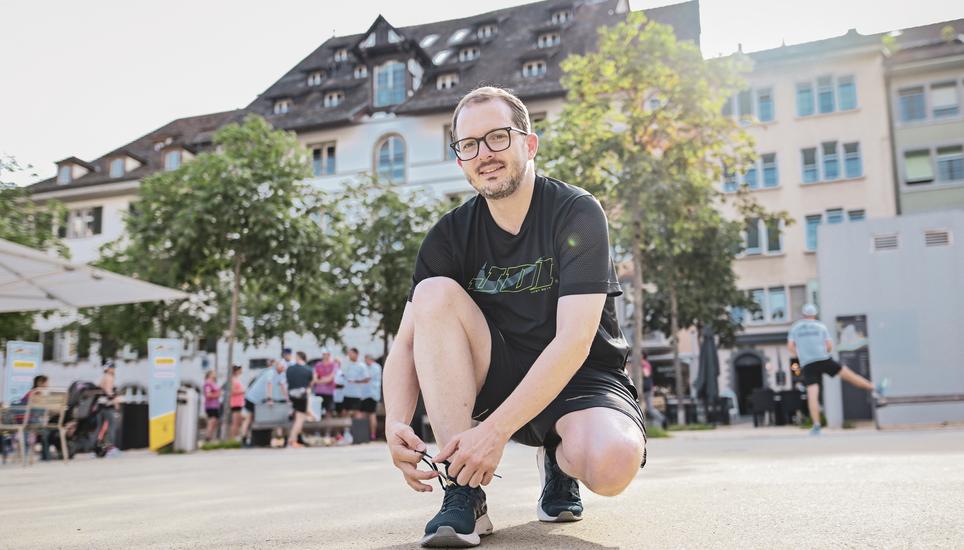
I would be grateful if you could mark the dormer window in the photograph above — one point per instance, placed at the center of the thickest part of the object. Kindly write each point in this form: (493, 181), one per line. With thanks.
(116, 168)
(549, 39)
(393, 37)
(361, 71)
(486, 31)
(468, 54)
(441, 57)
(428, 40)
(458, 36)
(314, 79)
(158, 145)
(446, 81)
(342, 53)
(281, 106)
(172, 160)
(63, 174)
(368, 43)
(333, 99)
(389, 83)
(532, 69)
(561, 16)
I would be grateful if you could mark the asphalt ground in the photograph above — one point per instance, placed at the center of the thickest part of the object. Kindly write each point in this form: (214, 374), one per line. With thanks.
(728, 488)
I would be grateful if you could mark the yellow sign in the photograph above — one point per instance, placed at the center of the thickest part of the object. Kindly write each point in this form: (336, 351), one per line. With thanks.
(164, 361)
(24, 364)
(161, 431)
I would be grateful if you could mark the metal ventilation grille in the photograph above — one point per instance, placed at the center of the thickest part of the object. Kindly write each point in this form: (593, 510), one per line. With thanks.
(937, 238)
(885, 242)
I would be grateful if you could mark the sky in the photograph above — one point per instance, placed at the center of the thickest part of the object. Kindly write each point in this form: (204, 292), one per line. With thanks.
(83, 78)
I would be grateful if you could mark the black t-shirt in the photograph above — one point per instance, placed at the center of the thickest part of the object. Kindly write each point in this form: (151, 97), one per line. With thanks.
(516, 280)
(298, 376)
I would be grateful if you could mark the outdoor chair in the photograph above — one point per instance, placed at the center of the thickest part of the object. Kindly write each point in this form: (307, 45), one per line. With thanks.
(45, 410)
(763, 404)
(792, 404)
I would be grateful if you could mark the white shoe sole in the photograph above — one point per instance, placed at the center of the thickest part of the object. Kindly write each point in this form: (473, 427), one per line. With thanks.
(446, 537)
(564, 517)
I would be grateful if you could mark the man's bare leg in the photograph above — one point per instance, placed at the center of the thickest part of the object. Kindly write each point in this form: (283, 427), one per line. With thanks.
(601, 447)
(452, 348)
(854, 379)
(296, 429)
(813, 402)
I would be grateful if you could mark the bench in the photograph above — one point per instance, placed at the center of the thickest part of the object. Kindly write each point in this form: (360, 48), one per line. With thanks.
(914, 400)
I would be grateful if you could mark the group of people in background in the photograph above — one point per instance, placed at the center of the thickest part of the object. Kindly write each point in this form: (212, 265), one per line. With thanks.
(352, 389)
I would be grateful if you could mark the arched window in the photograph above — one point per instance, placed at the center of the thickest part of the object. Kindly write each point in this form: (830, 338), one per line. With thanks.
(390, 159)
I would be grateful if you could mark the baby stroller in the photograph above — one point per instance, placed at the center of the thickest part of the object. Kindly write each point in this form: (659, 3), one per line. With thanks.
(90, 420)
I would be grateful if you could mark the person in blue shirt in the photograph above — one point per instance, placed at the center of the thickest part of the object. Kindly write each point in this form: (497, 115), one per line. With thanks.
(270, 386)
(370, 403)
(809, 341)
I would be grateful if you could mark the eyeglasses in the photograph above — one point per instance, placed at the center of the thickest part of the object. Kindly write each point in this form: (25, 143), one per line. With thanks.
(443, 478)
(496, 140)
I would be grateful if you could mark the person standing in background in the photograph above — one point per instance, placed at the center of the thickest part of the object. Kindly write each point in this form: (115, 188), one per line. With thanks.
(651, 412)
(370, 403)
(212, 404)
(356, 384)
(236, 400)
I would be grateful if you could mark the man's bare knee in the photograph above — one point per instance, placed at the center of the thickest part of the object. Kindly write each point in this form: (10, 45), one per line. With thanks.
(435, 294)
(613, 466)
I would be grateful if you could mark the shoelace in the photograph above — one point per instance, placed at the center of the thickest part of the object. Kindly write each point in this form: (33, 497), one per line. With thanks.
(444, 480)
(559, 482)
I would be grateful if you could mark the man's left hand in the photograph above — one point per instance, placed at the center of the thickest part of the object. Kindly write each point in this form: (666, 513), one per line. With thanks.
(474, 455)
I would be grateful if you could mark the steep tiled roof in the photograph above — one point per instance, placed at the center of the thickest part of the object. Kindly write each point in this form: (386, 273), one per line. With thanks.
(191, 133)
(500, 62)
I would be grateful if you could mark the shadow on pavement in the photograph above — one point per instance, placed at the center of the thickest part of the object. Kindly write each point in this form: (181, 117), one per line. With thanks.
(534, 534)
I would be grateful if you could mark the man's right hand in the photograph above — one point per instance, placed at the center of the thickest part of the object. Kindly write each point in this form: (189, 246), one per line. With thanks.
(404, 445)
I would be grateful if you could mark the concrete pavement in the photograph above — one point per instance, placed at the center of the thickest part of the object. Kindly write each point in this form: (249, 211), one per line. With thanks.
(729, 488)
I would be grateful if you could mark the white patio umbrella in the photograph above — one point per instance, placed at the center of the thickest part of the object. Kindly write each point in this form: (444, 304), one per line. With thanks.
(31, 280)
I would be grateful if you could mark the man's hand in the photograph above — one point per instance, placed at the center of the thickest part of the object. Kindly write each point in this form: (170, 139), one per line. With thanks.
(474, 455)
(404, 445)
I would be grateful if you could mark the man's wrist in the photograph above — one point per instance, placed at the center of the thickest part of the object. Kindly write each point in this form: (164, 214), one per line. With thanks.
(501, 427)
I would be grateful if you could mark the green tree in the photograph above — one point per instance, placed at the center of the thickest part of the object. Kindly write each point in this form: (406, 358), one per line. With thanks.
(239, 229)
(643, 129)
(25, 222)
(385, 228)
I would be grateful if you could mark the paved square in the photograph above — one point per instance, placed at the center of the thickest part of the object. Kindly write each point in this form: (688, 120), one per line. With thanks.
(730, 488)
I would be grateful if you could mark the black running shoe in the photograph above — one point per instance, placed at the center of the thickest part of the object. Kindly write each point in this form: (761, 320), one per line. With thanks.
(461, 521)
(559, 500)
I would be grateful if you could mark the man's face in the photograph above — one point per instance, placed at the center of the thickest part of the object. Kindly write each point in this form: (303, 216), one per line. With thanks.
(369, 360)
(326, 356)
(494, 175)
(279, 366)
(353, 355)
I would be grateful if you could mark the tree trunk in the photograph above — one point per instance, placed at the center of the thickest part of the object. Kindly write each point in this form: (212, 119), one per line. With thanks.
(681, 385)
(636, 365)
(232, 329)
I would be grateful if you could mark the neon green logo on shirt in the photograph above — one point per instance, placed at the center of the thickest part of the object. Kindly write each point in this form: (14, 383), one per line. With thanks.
(534, 277)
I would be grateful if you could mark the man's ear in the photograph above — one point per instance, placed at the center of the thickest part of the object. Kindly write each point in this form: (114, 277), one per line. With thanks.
(532, 145)
(458, 161)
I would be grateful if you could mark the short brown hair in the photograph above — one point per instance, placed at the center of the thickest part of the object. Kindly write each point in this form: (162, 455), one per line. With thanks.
(520, 115)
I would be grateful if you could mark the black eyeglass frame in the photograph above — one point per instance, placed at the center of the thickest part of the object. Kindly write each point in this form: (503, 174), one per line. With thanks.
(509, 129)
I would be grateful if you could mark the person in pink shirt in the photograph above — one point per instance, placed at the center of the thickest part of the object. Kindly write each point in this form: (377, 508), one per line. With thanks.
(237, 400)
(212, 403)
(324, 382)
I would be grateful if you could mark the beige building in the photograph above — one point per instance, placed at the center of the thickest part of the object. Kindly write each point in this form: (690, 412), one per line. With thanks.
(818, 114)
(925, 81)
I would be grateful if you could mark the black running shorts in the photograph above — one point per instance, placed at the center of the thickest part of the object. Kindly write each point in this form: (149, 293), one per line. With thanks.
(590, 387)
(351, 404)
(299, 404)
(249, 406)
(368, 405)
(813, 371)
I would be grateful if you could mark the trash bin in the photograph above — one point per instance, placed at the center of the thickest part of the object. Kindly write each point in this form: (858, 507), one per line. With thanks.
(185, 420)
(134, 426)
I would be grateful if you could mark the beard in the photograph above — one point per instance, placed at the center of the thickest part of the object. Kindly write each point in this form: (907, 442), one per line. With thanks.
(504, 186)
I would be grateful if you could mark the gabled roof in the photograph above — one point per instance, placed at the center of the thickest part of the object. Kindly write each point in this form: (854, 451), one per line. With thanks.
(190, 133)
(500, 63)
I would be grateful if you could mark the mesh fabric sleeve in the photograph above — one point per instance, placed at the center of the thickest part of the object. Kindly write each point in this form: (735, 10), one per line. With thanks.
(435, 257)
(585, 266)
